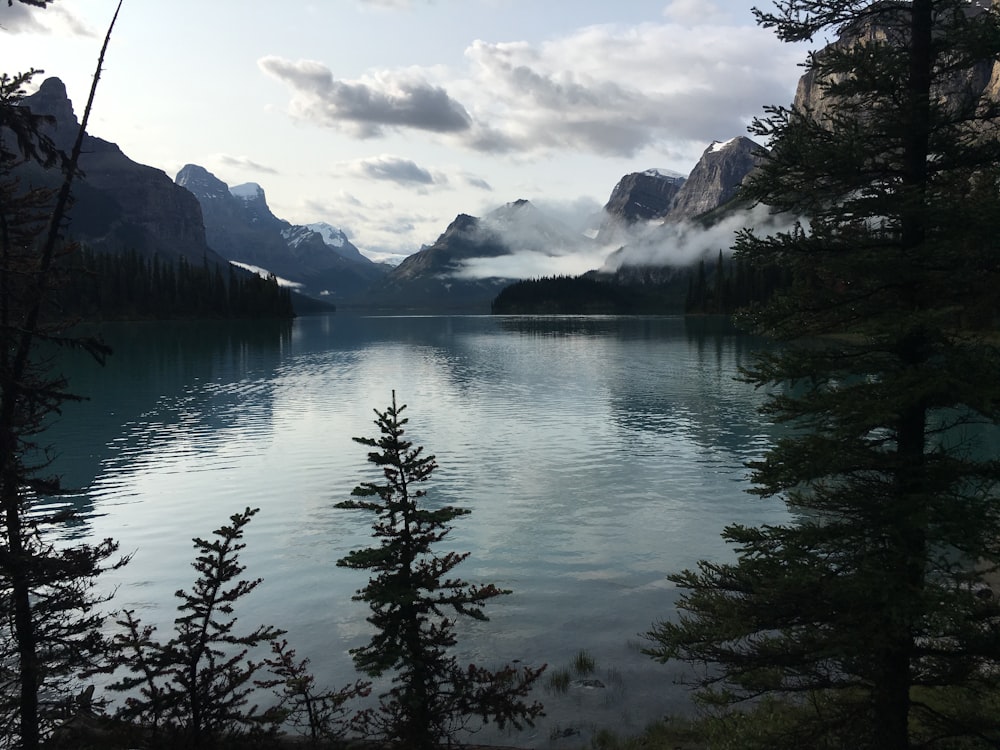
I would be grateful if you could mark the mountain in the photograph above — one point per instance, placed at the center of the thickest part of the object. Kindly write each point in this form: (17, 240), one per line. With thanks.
(967, 83)
(716, 178)
(319, 259)
(649, 212)
(664, 224)
(445, 275)
(656, 260)
(639, 196)
(337, 241)
(118, 204)
(427, 279)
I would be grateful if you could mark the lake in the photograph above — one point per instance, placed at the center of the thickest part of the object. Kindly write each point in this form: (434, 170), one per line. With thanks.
(597, 455)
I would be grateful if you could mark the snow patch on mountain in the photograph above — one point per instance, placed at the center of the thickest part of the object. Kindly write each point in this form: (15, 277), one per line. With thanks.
(248, 191)
(331, 235)
(657, 172)
(294, 235)
(720, 145)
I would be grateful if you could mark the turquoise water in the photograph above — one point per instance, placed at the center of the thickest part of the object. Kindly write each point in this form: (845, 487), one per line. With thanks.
(597, 455)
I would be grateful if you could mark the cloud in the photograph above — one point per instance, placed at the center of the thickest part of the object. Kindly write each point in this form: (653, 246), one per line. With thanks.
(402, 4)
(394, 169)
(686, 243)
(606, 90)
(367, 107)
(579, 214)
(692, 12)
(380, 229)
(681, 244)
(19, 18)
(244, 163)
(529, 265)
(544, 239)
(477, 182)
(614, 91)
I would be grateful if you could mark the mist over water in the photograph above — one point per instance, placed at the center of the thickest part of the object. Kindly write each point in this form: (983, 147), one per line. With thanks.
(597, 455)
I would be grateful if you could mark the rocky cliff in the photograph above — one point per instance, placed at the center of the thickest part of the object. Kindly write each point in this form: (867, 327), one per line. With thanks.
(716, 178)
(977, 83)
(118, 203)
(639, 196)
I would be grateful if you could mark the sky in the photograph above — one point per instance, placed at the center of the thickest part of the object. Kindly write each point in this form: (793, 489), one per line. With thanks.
(387, 118)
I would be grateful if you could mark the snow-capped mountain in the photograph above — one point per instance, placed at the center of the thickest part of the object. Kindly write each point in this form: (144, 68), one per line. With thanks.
(338, 242)
(240, 226)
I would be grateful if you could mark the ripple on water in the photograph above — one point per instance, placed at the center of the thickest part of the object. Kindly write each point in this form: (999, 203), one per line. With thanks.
(596, 458)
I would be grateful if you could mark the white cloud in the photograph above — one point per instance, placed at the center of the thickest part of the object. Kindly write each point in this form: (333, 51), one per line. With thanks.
(691, 12)
(19, 18)
(611, 91)
(401, 4)
(367, 107)
(529, 265)
(477, 182)
(382, 229)
(394, 169)
(685, 243)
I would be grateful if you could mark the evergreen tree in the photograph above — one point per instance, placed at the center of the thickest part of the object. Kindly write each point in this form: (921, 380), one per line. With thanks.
(870, 611)
(432, 696)
(196, 686)
(320, 715)
(49, 621)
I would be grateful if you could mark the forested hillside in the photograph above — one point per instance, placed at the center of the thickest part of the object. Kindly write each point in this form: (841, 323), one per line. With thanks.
(107, 286)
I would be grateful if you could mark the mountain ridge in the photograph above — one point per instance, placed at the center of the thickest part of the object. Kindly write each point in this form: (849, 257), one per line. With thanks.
(235, 224)
(240, 224)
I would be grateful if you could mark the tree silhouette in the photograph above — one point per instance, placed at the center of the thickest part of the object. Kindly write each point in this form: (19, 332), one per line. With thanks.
(50, 627)
(870, 611)
(414, 598)
(195, 686)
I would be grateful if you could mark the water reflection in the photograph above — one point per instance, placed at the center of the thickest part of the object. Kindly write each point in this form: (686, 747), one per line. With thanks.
(597, 455)
(152, 394)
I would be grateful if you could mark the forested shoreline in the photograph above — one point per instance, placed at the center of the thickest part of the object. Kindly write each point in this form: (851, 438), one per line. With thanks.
(131, 286)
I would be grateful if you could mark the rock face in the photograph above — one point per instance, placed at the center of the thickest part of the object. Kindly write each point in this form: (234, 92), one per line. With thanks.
(977, 83)
(639, 196)
(716, 178)
(119, 204)
(241, 227)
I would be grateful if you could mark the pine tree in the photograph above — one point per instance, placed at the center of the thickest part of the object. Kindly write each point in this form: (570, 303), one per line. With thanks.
(870, 612)
(432, 696)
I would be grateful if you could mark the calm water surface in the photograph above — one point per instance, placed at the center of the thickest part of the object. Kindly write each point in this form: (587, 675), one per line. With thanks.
(597, 455)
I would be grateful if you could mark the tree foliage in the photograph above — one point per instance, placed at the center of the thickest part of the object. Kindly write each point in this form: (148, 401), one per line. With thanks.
(318, 714)
(730, 285)
(871, 609)
(196, 686)
(128, 285)
(49, 624)
(414, 599)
